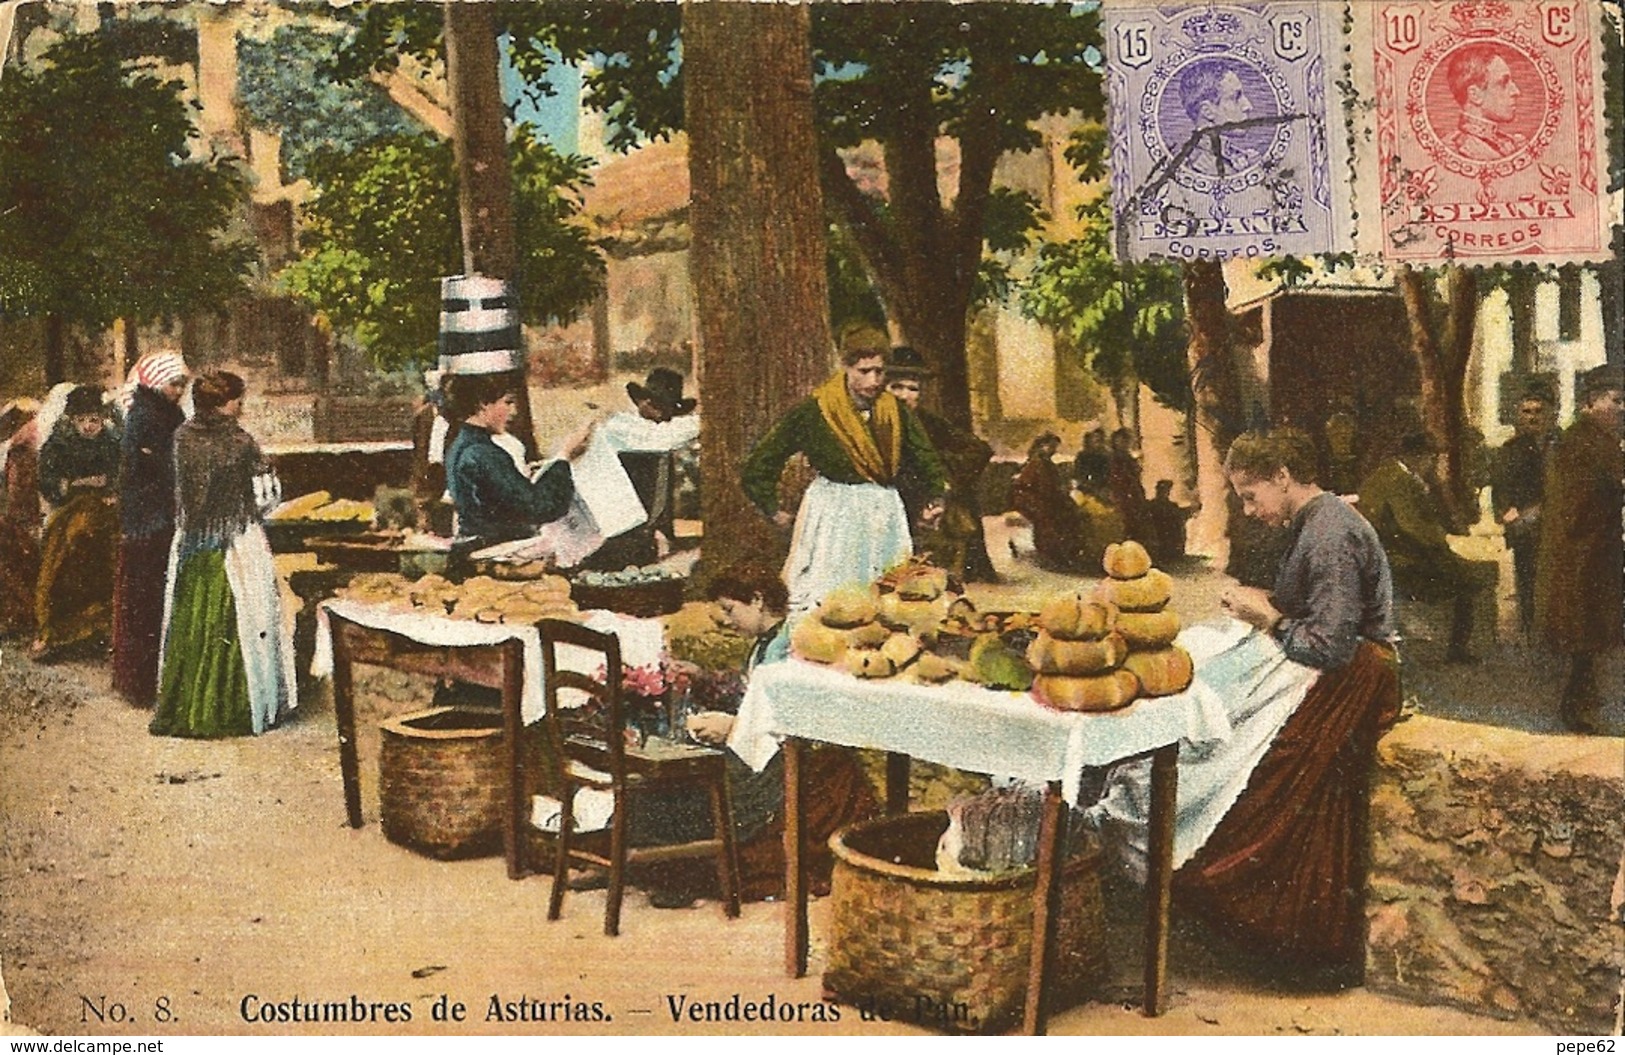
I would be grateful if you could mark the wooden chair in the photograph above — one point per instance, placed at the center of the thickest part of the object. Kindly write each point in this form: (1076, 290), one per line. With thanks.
(593, 757)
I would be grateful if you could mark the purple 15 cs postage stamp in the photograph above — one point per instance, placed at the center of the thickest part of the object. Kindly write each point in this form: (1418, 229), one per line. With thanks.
(1227, 131)
(1488, 135)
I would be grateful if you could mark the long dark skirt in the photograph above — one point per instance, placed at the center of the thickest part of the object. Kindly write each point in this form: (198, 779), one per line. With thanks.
(73, 600)
(1284, 872)
(138, 615)
(204, 686)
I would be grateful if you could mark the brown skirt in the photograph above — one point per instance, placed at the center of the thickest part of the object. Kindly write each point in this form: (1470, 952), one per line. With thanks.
(1284, 873)
(73, 600)
(138, 615)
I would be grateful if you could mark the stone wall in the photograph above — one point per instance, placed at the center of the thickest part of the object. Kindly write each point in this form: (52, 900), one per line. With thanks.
(1494, 856)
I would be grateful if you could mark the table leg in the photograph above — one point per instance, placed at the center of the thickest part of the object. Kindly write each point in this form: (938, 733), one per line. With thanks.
(513, 728)
(1159, 873)
(1051, 832)
(896, 783)
(344, 714)
(795, 872)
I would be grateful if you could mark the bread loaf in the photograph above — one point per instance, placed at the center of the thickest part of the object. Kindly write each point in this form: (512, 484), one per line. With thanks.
(1126, 560)
(1162, 672)
(867, 635)
(868, 663)
(1071, 617)
(812, 640)
(1147, 631)
(1101, 692)
(848, 606)
(1148, 593)
(1052, 655)
(901, 649)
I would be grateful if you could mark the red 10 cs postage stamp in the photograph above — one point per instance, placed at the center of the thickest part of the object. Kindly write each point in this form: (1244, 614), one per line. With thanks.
(1487, 139)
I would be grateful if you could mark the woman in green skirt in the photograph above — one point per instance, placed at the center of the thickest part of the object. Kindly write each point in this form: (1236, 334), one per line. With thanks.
(227, 667)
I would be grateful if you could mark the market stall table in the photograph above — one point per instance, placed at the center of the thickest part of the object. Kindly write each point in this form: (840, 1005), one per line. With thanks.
(495, 655)
(981, 730)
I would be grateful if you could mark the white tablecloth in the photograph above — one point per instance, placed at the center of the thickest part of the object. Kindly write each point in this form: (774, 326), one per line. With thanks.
(642, 641)
(959, 724)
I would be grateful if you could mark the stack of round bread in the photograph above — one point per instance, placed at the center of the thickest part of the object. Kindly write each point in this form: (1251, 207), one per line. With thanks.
(917, 602)
(845, 620)
(1077, 657)
(1141, 594)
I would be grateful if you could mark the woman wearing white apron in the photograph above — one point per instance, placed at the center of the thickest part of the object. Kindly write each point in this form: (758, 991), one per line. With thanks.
(858, 438)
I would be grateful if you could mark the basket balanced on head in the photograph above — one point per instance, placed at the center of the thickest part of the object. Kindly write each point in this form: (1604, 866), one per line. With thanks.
(945, 951)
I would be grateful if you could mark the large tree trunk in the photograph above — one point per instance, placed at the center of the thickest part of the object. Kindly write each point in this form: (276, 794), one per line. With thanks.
(1522, 283)
(1441, 362)
(484, 176)
(757, 250)
(1215, 400)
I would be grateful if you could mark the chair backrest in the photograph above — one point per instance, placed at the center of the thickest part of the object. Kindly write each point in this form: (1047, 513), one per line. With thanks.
(601, 742)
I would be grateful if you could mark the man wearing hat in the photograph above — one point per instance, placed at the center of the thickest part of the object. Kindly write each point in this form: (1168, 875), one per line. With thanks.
(647, 439)
(1577, 579)
(1516, 483)
(955, 537)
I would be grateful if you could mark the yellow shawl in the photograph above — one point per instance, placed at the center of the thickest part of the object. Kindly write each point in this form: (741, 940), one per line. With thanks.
(876, 449)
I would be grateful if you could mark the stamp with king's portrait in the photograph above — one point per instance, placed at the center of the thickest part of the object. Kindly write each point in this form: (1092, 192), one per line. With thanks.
(1487, 141)
(1227, 130)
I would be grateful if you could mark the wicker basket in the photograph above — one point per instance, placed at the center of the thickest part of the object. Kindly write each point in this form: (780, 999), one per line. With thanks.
(644, 599)
(441, 780)
(944, 951)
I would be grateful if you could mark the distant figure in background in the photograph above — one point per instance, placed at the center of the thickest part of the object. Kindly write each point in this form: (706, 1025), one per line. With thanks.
(1342, 448)
(19, 514)
(1578, 593)
(646, 438)
(431, 433)
(957, 540)
(146, 523)
(1091, 469)
(1166, 521)
(227, 664)
(1125, 483)
(1516, 484)
(1040, 494)
(1400, 503)
(78, 467)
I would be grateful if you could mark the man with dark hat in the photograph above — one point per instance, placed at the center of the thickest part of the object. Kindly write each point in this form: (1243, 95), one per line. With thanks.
(955, 538)
(1577, 581)
(647, 440)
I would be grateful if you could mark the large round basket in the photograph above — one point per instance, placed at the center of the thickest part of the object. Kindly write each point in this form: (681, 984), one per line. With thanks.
(943, 951)
(645, 599)
(441, 779)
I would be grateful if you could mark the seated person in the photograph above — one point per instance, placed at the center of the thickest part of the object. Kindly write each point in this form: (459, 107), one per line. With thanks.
(78, 476)
(494, 499)
(1165, 520)
(1040, 494)
(1270, 838)
(1402, 506)
(754, 603)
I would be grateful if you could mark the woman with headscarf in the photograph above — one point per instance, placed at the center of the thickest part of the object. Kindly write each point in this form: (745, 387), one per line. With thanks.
(1039, 493)
(146, 523)
(227, 664)
(78, 474)
(19, 514)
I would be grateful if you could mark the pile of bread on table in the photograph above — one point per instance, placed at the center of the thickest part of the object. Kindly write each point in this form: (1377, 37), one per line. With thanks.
(480, 598)
(1090, 650)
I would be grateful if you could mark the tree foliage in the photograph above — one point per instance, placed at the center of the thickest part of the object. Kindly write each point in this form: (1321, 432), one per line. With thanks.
(105, 213)
(281, 86)
(382, 229)
(1128, 321)
(902, 75)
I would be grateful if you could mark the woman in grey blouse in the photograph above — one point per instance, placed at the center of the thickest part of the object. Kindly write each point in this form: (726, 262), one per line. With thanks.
(1284, 871)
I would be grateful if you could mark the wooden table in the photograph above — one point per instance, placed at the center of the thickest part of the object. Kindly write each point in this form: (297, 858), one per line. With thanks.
(798, 702)
(500, 666)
